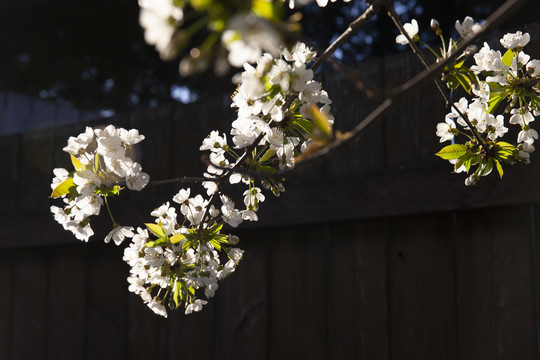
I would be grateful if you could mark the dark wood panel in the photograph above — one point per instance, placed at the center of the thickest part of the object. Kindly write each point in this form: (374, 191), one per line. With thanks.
(66, 304)
(421, 289)
(6, 303)
(357, 303)
(106, 309)
(30, 304)
(298, 308)
(496, 302)
(242, 306)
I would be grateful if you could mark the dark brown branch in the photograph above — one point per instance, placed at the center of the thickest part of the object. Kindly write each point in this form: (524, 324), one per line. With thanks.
(502, 13)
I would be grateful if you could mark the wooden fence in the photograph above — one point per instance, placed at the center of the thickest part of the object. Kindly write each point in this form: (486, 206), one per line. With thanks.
(376, 253)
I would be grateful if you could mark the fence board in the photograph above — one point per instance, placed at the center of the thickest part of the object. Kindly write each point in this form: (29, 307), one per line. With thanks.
(6, 304)
(298, 304)
(106, 324)
(358, 319)
(422, 299)
(29, 305)
(494, 282)
(35, 173)
(147, 332)
(9, 168)
(191, 337)
(67, 302)
(241, 314)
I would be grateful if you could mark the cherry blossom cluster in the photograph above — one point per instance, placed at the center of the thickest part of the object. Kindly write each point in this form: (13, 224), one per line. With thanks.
(510, 79)
(171, 262)
(101, 163)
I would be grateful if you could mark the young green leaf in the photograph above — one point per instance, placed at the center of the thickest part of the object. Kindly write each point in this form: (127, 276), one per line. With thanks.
(508, 57)
(177, 238)
(63, 188)
(76, 163)
(451, 152)
(156, 230)
(499, 167)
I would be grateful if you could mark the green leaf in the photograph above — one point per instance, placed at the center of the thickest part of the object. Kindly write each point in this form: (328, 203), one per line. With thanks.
(451, 152)
(321, 121)
(485, 168)
(267, 155)
(464, 81)
(76, 163)
(154, 243)
(266, 9)
(499, 167)
(216, 244)
(494, 101)
(63, 188)
(506, 150)
(156, 230)
(177, 238)
(459, 64)
(508, 57)
(268, 169)
(200, 5)
(305, 124)
(216, 228)
(177, 294)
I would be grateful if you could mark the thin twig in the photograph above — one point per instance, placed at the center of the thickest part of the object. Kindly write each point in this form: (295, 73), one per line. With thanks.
(184, 179)
(371, 11)
(416, 50)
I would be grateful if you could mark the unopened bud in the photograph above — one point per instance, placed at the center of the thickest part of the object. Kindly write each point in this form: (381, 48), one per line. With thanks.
(470, 50)
(435, 26)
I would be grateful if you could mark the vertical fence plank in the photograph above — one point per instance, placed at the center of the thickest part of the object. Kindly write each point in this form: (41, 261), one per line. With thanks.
(106, 303)
(147, 332)
(298, 328)
(357, 301)
(36, 171)
(9, 168)
(241, 315)
(422, 298)
(191, 337)
(29, 304)
(497, 311)
(67, 301)
(6, 303)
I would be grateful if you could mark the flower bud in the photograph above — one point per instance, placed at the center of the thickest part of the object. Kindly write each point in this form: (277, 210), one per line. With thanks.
(470, 50)
(435, 26)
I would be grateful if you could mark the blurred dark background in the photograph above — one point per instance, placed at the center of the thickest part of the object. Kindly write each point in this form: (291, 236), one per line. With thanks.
(92, 53)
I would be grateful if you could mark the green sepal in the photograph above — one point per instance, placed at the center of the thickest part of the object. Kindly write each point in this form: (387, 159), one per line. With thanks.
(452, 152)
